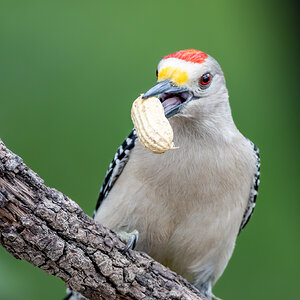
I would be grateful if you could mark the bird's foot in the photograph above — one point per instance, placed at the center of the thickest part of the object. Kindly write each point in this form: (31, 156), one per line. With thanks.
(129, 238)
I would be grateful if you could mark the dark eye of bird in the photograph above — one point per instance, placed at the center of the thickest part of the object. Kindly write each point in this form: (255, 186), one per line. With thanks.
(205, 79)
(156, 73)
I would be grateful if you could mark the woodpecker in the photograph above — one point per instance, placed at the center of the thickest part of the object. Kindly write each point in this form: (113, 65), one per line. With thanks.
(188, 205)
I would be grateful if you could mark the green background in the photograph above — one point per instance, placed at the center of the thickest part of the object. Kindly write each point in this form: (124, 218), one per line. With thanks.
(69, 71)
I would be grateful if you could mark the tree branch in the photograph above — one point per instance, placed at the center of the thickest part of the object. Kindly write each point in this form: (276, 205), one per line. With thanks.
(43, 226)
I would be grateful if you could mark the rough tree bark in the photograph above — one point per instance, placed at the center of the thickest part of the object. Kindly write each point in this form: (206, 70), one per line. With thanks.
(43, 226)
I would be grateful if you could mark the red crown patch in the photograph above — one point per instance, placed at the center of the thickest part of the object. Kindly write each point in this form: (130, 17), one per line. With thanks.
(190, 55)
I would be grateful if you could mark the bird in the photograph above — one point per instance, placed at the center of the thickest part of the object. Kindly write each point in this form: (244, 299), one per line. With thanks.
(185, 207)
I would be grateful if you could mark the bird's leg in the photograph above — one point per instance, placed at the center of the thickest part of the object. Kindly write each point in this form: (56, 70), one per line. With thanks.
(129, 238)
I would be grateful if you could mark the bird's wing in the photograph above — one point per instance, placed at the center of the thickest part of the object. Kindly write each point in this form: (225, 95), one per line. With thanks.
(253, 191)
(116, 167)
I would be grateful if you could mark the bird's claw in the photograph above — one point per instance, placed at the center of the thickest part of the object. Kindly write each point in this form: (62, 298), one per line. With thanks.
(130, 239)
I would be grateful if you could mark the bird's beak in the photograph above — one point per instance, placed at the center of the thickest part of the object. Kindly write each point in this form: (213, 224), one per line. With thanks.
(164, 87)
(172, 97)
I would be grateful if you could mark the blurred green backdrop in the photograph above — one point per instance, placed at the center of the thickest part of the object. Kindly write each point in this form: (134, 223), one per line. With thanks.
(69, 71)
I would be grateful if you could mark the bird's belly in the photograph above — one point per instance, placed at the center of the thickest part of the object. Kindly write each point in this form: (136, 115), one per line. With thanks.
(191, 245)
(190, 238)
(187, 222)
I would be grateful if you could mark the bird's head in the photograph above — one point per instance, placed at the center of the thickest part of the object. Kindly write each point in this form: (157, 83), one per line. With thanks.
(188, 80)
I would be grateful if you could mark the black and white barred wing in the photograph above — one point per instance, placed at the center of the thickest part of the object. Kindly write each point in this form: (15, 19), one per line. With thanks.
(116, 167)
(253, 191)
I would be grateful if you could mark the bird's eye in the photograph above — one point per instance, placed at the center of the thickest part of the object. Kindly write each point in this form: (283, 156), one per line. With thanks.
(205, 80)
(156, 73)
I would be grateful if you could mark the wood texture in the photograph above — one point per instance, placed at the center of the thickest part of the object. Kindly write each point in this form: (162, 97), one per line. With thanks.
(46, 228)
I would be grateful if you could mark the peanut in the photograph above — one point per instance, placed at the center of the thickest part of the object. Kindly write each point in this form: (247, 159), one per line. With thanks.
(152, 127)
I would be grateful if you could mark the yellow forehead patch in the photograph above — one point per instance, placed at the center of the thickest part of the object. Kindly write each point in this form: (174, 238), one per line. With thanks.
(178, 76)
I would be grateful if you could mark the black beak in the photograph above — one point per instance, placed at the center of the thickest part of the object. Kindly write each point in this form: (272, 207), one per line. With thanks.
(167, 90)
(164, 87)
